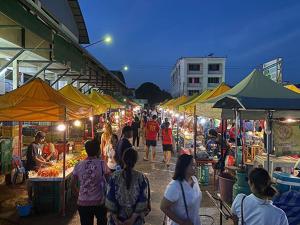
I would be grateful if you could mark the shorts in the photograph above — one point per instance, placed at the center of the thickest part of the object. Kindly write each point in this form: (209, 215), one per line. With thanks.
(151, 143)
(167, 148)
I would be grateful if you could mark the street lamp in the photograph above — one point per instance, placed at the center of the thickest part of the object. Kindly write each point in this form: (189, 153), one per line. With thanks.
(107, 40)
(125, 68)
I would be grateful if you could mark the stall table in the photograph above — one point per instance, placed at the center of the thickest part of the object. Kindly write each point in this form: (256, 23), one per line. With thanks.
(284, 162)
(48, 191)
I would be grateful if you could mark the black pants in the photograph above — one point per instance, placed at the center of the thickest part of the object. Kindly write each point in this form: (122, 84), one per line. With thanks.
(87, 214)
(136, 138)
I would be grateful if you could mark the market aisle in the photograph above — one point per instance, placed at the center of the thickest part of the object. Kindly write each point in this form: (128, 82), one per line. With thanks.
(159, 176)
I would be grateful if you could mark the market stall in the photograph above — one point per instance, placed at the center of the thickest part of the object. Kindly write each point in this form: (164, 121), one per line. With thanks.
(37, 101)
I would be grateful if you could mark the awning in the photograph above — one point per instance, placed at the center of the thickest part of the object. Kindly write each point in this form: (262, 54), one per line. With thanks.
(37, 101)
(178, 101)
(70, 92)
(189, 106)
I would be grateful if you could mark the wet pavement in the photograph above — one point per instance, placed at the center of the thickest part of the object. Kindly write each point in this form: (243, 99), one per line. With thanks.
(159, 176)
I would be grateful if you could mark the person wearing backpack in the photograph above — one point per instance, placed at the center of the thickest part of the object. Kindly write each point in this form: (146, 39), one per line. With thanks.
(257, 208)
(182, 198)
(128, 193)
(92, 174)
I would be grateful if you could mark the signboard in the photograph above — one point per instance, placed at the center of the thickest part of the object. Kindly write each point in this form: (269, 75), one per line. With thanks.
(273, 70)
(286, 138)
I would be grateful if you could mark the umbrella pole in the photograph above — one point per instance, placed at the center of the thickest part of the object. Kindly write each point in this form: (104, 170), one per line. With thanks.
(269, 134)
(236, 135)
(20, 139)
(195, 132)
(64, 168)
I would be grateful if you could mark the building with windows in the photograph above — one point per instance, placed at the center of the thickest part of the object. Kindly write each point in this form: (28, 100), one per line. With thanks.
(192, 75)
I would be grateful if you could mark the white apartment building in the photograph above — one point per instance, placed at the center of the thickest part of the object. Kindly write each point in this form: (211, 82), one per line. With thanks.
(192, 75)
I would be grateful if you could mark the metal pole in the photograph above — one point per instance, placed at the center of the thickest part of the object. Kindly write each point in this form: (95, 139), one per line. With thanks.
(60, 76)
(20, 140)
(41, 70)
(11, 60)
(269, 134)
(195, 132)
(236, 135)
(64, 166)
(177, 135)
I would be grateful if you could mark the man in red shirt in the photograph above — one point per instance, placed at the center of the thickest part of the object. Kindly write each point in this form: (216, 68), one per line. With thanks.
(152, 129)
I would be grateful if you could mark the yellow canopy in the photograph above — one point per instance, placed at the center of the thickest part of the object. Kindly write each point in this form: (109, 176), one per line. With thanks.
(37, 101)
(220, 89)
(165, 106)
(114, 104)
(178, 101)
(292, 88)
(70, 92)
(189, 106)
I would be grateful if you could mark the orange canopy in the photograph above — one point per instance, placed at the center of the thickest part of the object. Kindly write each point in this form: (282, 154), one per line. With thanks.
(70, 92)
(114, 104)
(37, 101)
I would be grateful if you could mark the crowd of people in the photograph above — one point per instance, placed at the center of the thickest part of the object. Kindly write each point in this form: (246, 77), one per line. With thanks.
(115, 193)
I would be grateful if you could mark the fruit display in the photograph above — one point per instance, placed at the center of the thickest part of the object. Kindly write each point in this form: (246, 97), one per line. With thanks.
(48, 172)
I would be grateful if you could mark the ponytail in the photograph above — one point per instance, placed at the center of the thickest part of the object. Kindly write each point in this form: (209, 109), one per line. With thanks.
(261, 180)
(269, 191)
(130, 157)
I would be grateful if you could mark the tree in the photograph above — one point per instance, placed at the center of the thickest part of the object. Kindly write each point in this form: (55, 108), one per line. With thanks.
(152, 93)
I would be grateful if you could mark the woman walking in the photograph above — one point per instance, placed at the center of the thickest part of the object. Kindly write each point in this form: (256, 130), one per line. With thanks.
(257, 208)
(110, 150)
(181, 202)
(105, 139)
(128, 196)
(91, 173)
(167, 141)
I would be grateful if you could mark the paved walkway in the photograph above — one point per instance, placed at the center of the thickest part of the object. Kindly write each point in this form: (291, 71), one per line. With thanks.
(159, 176)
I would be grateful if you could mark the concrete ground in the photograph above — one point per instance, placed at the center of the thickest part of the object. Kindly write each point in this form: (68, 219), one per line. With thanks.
(159, 176)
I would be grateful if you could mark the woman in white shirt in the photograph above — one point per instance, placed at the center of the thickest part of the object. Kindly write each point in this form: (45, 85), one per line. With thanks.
(110, 150)
(256, 208)
(181, 202)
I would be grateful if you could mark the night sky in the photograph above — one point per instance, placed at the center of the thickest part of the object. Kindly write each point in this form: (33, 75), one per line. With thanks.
(150, 35)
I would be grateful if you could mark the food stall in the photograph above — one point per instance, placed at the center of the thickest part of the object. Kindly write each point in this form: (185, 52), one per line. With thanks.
(36, 101)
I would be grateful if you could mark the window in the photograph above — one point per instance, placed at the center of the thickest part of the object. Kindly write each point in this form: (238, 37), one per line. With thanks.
(214, 67)
(213, 80)
(194, 80)
(192, 92)
(193, 67)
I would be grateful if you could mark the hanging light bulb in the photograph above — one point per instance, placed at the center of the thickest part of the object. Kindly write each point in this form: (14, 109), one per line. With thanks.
(61, 127)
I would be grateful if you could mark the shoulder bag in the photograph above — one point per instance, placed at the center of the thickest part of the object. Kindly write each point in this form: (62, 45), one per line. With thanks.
(242, 210)
(184, 200)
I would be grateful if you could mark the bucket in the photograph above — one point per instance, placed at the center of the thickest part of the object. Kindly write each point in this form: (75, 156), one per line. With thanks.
(226, 182)
(241, 185)
(24, 210)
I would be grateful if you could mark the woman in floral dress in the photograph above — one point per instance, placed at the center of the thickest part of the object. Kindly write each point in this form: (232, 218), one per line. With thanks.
(127, 199)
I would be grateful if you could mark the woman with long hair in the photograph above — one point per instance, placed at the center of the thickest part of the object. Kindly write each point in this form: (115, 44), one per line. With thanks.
(110, 150)
(167, 141)
(181, 202)
(127, 197)
(105, 139)
(257, 208)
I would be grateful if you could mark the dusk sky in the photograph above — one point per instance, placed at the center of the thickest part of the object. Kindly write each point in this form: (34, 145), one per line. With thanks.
(150, 35)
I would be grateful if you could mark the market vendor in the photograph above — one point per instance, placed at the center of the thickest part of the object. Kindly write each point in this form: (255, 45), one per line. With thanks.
(34, 158)
(49, 152)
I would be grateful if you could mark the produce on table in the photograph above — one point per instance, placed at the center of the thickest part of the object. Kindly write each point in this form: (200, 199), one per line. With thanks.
(48, 172)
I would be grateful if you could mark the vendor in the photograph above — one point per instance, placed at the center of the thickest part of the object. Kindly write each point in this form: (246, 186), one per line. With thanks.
(212, 146)
(34, 158)
(49, 151)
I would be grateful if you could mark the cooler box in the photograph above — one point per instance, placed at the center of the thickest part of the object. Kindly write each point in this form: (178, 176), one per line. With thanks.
(286, 182)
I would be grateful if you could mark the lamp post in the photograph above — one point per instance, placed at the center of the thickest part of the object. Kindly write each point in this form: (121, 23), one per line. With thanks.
(107, 40)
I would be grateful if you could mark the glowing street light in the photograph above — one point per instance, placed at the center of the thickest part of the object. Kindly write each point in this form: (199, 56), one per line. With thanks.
(107, 40)
(91, 118)
(125, 68)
